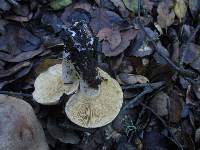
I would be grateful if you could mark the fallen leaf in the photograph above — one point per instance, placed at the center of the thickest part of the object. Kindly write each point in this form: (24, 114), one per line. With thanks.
(18, 39)
(161, 142)
(196, 89)
(148, 5)
(159, 59)
(113, 37)
(21, 57)
(126, 146)
(126, 36)
(165, 15)
(59, 4)
(120, 5)
(194, 6)
(131, 5)
(140, 46)
(72, 15)
(19, 18)
(175, 107)
(180, 9)
(45, 64)
(4, 5)
(63, 135)
(51, 21)
(197, 136)
(125, 78)
(196, 64)
(102, 18)
(14, 69)
(191, 55)
(159, 103)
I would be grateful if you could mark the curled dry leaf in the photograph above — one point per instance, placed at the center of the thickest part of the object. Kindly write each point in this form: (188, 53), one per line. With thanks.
(19, 18)
(125, 78)
(165, 15)
(92, 108)
(14, 69)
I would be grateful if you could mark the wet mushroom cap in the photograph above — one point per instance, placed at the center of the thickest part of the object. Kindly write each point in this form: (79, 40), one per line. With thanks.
(92, 108)
(49, 86)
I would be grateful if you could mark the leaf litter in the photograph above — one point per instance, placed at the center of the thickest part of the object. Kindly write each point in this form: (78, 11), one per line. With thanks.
(151, 47)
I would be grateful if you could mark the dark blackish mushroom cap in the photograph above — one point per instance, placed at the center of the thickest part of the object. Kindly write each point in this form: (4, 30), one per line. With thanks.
(81, 46)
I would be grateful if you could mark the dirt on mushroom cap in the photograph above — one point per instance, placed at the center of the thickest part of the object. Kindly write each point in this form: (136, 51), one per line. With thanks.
(99, 110)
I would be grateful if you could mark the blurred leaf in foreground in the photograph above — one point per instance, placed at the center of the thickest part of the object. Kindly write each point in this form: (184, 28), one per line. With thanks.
(59, 4)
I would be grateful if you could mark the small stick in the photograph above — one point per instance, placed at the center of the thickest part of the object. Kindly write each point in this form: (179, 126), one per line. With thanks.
(148, 89)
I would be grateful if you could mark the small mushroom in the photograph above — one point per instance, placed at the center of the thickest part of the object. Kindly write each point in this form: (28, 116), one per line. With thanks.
(91, 108)
(49, 85)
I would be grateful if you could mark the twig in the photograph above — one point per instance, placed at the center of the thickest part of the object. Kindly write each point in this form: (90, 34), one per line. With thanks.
(174, 66)
(148, 89)
(164, 124)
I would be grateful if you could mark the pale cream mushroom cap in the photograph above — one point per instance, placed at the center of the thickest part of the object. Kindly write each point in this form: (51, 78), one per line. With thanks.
(92, 108)
(49, 86)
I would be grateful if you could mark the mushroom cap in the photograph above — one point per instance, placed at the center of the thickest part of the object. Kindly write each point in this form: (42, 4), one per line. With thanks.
(49, 86)
(92, 108)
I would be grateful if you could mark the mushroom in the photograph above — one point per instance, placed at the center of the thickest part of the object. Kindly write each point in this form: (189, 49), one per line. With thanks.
(91, 108)
(49, 85)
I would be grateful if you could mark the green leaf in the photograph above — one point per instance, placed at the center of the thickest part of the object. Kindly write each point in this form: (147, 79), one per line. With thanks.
(59, 4)
(131, 5)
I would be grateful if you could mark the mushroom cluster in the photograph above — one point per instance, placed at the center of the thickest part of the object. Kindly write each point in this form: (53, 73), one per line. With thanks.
(87, 107)
(95, 97)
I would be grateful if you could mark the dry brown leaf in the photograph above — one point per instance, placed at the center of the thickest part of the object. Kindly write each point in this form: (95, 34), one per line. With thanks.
(127, 36)
(14, 69)
(45, 64)
(21, 57)
(125, 78)
(113, 37)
